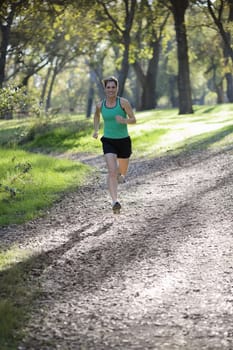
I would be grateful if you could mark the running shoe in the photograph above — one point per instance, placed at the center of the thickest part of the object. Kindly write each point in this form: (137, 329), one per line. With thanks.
(120, 179)
(116, 208)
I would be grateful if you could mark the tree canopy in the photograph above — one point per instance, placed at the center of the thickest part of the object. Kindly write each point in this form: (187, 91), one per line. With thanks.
(164, 53)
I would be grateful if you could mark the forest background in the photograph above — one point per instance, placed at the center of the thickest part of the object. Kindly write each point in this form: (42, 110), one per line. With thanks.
(54, 54)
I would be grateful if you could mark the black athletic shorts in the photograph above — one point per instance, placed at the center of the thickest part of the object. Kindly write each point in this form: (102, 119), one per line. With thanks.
(121, 147)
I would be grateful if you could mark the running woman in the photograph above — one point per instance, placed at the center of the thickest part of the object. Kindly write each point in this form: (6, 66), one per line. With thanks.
(117, 113)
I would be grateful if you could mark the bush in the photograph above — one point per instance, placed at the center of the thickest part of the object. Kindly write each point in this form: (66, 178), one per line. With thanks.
(16, 101)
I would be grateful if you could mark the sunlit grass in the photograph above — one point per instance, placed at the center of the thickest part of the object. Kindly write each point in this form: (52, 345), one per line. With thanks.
(145, 143)
(9, 257)
(37, 189)
(174, 132)
(156, 131)
(65, 139)
(63, 135)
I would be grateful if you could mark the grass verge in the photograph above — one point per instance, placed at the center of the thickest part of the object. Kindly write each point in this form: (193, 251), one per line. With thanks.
(25, 195)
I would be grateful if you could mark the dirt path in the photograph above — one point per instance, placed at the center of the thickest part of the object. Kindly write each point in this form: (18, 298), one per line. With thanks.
(159, 276)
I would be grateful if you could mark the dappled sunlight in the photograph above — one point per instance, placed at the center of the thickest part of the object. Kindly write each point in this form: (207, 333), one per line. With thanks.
(183, 134)
(15, 123)
(12, 256)
(162, 133)
(160, 290)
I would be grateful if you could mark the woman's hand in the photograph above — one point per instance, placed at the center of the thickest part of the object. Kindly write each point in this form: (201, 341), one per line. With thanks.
(120, 119)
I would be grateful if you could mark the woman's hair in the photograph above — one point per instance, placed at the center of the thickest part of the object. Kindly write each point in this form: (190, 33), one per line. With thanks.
(112, 78)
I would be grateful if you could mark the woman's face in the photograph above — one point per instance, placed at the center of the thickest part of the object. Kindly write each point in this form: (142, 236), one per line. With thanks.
(111, 89)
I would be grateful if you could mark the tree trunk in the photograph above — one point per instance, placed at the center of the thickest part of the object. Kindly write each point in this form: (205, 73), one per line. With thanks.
(185, 100)
(172, 91)
(229, 80)
(141, 79)
(44, 88)
(220, 93)
(215, 84)
(228, 75)
(30, 72)
(149, 96)
(217, 20)
(124, 66)
(5, 35)
(48, 99)
(5, 30)
(148, 80)
(130, 6)
(123, 36)
(137, 95)
(90, 95)
(98, 74)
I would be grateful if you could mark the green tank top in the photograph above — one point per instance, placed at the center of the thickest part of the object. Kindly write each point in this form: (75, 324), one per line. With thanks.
(112, 129)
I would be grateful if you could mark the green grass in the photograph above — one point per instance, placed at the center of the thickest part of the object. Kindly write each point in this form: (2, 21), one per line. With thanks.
(15, 296)
(36, 189)
(60, 134)
(72, 136)
(162, 131)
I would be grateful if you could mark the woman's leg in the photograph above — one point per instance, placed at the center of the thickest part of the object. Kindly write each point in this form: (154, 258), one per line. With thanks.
(111, 161)
(123, 164)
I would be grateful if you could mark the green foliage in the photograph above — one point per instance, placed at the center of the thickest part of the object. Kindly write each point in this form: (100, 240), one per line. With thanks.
(58, 37)
(61, 135)
(19, 174)
(16, 101)
(48, 133)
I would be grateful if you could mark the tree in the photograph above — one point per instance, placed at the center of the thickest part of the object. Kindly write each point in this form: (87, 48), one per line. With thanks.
(216, 10)
(151, 20)
(178, 9)
(67, 36)
(8, 12)
(222, 14)
(120, 17)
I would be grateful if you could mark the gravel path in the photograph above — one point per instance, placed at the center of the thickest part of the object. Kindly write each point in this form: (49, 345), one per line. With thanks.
(158, 276)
